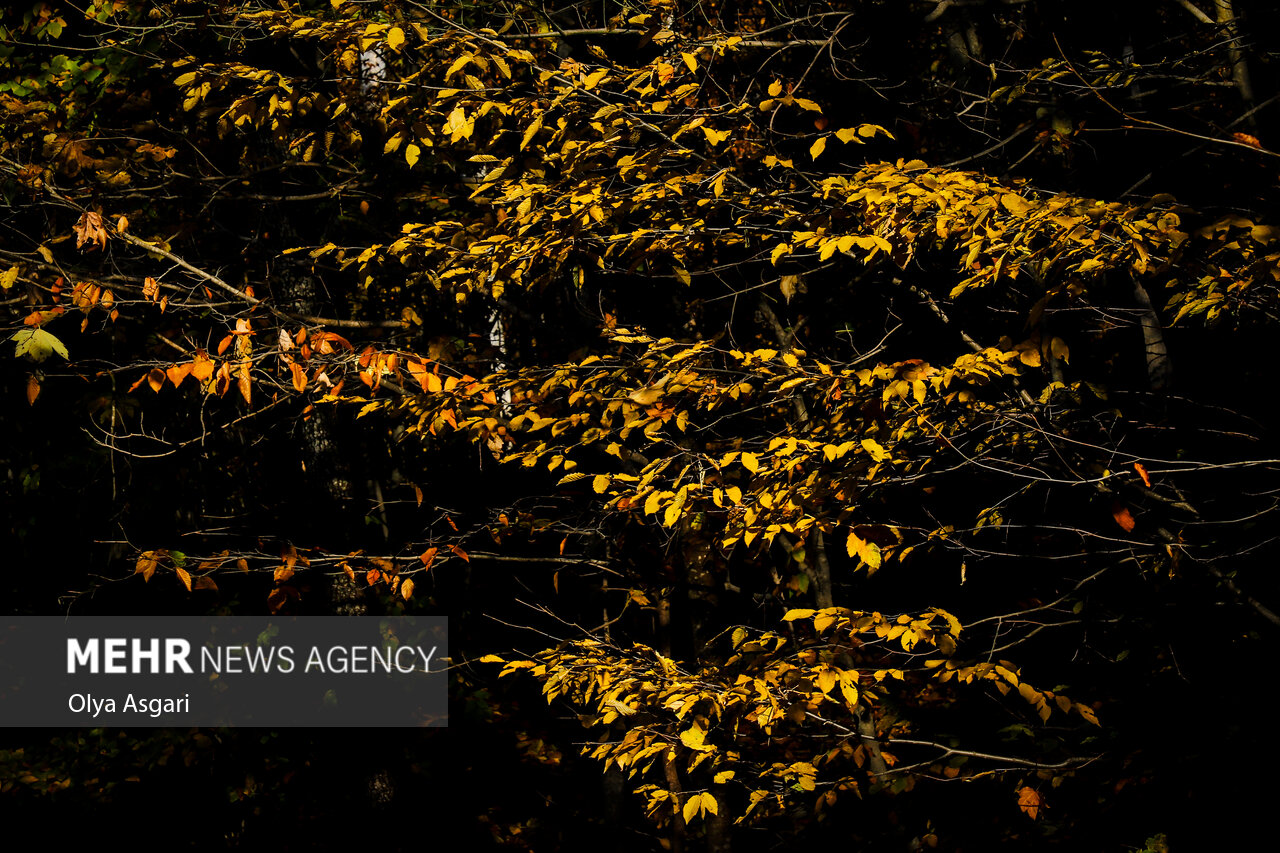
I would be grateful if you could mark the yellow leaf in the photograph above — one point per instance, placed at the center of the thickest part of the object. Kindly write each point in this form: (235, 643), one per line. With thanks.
(750, 462)
(530, 132)
(651, 503)
(146, 566)
(818, 147)
(799, 613)
(37, 344)
(790, 284)
(645, 396)
(690, 810)
(867, 552)
(600, 483)
(411, 154)
(715, 137)
(693, 738)
(877, 452)
(9, 277)
(827, 680)
(593, 79)
(1058, 347)
(672, 515)
(709, 802)
(847, 135)
(775, 88)
(1015, 204)
(690, 60)
(491, 659)
(395, 38)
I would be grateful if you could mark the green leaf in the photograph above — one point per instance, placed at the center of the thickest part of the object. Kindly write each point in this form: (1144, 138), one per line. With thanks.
(37, 344)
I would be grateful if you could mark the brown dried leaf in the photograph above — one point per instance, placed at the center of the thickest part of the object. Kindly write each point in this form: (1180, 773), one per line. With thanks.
(90, 230)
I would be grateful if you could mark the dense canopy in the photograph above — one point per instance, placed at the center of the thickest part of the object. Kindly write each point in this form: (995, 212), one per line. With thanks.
(821, 423)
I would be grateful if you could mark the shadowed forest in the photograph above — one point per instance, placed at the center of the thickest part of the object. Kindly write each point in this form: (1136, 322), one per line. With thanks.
(821, 423)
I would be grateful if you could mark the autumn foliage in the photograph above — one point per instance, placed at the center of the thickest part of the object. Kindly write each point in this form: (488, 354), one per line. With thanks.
(851, 419)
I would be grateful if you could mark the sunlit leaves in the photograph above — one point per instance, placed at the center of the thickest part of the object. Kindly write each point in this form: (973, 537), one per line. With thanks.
(37, 345)
(1030, 802)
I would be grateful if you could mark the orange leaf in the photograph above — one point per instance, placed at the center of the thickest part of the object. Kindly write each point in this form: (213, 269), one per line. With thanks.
(1142, 472)
(417, 491)
(178, 372)
(1246, 139)
(276, 600)
(283, 573)
(202, 367)
(224, 379)
(1121, 514)
(428, 557)
(246, 389)
(33, 389)
(184, 576)
(156, 379)
(1030, 802)
(299, 377)
(372, 576)
(206, 583)
(406, 589)
(461, 553)
(146, 565)
(418, 370)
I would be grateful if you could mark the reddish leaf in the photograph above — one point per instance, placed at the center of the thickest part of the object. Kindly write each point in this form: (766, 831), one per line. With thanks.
(1120, 513)
(1142, 472)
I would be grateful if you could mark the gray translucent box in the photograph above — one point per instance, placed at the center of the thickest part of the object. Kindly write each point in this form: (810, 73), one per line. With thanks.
(177, 671)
